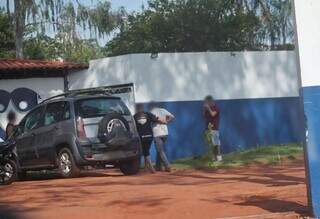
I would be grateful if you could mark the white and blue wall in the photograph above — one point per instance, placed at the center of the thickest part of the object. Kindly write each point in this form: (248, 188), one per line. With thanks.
(256, 91)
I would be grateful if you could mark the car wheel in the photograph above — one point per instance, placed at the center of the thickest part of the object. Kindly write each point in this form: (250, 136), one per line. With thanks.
(66, 164)
(130, 167)
(8, 172)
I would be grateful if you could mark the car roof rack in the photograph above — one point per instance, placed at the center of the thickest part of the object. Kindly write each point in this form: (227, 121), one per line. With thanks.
(88, 91)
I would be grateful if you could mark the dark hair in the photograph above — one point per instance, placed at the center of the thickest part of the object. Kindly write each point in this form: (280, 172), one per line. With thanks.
(139, 106)
(209, 98)
(11, 116)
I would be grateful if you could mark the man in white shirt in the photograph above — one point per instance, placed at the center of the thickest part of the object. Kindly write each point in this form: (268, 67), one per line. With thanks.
(160, 133)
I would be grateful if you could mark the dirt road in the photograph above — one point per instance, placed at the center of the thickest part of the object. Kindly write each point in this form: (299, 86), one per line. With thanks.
(181, 194)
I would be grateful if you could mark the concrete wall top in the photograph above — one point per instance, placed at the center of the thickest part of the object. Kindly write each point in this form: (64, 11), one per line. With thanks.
(191, 76)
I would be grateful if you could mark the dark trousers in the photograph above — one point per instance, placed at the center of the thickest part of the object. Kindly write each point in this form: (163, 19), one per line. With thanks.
(161, 154)
(146, 145)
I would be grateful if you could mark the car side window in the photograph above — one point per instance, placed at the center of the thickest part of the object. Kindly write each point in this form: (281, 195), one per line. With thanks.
(33, 120)
(20, 127)
(56, 112)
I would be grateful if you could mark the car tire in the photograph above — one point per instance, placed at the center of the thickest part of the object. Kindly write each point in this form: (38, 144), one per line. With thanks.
(67, 165)
(114, 136)
(130, 167)
(13, 169)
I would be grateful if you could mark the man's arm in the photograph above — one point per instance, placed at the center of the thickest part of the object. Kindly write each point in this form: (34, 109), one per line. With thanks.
(169, 116)
(155, 119)
(212, 113)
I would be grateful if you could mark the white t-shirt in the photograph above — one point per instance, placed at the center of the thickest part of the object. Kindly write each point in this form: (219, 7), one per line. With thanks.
(160, 129)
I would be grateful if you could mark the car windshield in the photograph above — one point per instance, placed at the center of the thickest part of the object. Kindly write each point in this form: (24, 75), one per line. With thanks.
(95, 107)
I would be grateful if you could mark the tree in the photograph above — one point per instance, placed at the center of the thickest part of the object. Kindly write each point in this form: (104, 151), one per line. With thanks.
(276, 21)
(41, 47)
(186, 25)
(78, 50)
(6, 36)
(50, 14)
(206, 25)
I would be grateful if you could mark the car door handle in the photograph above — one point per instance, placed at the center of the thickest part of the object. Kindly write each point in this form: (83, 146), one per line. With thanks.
(33, 135)
(55, 127)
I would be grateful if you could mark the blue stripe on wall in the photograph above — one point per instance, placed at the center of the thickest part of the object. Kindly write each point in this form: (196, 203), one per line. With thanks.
(244, 123)
(311, 98)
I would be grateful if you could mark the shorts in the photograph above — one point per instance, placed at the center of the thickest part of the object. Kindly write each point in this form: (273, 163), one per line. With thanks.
(213, 137)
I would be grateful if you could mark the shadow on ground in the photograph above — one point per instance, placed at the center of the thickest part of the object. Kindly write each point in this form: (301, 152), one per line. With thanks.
(276, 189)
(8, 213)
(274, 205)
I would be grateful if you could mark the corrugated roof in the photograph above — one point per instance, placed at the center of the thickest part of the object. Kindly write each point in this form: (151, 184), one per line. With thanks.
(25, 64)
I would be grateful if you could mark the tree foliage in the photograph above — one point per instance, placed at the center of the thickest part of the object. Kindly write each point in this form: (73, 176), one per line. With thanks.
(6, 36)
(44, 15)
(276, 21)
(205, 25)
(79, 50)
(68, 29)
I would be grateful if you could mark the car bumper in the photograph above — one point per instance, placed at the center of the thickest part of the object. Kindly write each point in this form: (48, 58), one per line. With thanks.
(112, 156)
(100, 153)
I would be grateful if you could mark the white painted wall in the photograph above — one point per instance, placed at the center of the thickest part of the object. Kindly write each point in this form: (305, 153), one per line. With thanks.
(308, 33)
(191, 76)
(45, 87)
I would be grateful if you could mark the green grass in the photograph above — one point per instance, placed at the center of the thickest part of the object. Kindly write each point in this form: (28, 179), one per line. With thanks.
(270, 155)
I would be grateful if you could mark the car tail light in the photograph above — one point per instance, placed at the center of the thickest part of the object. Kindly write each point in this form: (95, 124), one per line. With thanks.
(80, 128)
(89, 157)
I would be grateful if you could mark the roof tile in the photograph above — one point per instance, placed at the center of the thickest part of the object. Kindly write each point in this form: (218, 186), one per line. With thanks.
(21, 64)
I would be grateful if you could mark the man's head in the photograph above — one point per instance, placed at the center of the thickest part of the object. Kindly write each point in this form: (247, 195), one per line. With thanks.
(12, 117)
(139, 107)
(209, 100)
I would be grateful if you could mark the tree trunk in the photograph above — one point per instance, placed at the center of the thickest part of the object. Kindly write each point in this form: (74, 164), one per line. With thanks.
(8, 9)
(19, 19)
(272, 38)
(284, 34)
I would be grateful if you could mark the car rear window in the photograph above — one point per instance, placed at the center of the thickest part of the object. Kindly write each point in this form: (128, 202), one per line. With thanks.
(96, 107)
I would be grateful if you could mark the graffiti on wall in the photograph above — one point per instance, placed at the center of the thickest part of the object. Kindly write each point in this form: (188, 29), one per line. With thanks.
(20, 100)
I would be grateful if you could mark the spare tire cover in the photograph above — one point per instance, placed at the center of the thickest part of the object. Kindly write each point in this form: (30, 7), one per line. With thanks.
(114, 130)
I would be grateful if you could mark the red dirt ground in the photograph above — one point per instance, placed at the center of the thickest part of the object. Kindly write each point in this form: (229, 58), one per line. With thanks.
(180, 194)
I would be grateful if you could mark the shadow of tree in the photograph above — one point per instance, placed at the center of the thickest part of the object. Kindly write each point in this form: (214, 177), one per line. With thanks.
(50, 175)
(72, 192)
(274, 205)
(8, 213)
(141, 201)
(270, 177)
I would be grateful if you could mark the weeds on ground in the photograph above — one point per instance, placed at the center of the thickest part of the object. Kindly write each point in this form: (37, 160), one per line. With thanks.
(267, 155)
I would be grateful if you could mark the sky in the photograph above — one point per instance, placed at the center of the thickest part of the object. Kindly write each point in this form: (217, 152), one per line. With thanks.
(131, 5)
